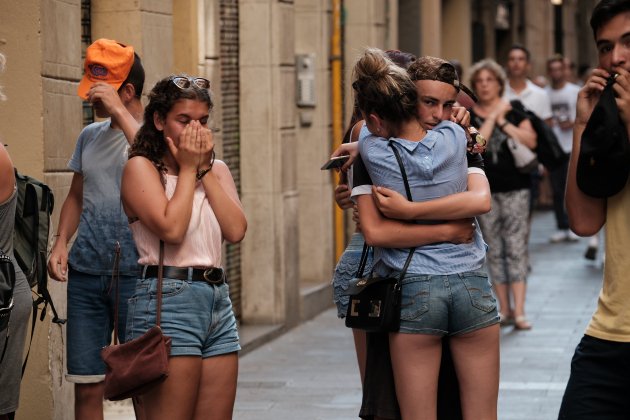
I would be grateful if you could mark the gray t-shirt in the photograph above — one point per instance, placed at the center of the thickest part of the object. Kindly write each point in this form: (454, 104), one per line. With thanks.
(100, 155)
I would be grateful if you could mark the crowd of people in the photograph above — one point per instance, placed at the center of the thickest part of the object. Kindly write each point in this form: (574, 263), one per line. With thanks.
(148, 197)
(410, 383)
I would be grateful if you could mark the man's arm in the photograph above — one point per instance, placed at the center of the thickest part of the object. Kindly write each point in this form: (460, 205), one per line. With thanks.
(587, 215)
(68, 223)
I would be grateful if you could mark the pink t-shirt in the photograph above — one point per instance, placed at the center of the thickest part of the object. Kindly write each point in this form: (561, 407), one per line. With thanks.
(202, 245)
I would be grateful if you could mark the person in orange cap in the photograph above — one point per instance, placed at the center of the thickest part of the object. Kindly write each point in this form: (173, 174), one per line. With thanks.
(112, 83)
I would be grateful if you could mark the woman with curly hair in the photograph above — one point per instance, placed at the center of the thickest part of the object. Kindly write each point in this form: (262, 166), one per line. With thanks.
(173, 191)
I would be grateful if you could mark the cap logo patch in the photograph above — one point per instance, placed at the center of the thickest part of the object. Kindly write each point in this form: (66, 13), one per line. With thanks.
(98, 71)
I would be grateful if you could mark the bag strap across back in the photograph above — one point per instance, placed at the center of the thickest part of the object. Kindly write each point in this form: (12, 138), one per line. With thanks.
(366, 247)
(115, 281)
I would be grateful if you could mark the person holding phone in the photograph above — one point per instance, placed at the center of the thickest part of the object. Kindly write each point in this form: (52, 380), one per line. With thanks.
(472, 323)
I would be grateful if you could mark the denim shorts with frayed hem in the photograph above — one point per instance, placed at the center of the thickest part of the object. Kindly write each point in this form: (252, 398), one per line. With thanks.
(451, 304)
(91, 306)
(196, 315)
(346, 270)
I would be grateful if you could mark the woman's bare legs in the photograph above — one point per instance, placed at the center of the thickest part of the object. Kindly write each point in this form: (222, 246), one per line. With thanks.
(519, 290)
(217, 388)
(416, 362)
(201, 389)
(503, 295)
(476, 358)
(360, 345)
(175, 398)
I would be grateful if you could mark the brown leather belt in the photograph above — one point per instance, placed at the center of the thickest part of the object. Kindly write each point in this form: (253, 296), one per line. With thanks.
(211, 275)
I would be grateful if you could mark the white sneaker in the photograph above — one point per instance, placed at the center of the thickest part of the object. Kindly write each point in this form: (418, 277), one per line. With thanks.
(572, 237)
(559, 236)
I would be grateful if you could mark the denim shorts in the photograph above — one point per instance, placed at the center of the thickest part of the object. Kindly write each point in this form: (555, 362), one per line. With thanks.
(196, 315)
(91, 306)
(447, 304)
(346, 270)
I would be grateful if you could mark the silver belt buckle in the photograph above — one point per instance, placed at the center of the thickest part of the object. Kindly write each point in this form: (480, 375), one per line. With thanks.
(210, 276)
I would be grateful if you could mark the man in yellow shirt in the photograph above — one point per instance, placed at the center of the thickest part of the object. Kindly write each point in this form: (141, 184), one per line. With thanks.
(599, 385)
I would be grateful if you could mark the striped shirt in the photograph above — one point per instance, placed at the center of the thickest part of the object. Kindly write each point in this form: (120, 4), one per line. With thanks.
(436, 166)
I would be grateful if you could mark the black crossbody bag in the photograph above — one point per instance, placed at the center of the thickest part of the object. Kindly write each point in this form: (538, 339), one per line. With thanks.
(374, 304)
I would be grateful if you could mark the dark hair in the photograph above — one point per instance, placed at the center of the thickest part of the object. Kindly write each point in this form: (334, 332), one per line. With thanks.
(400, 58)
(135, 76)
(521, 47)
(605, 11)
(383, 88)
(150, 142)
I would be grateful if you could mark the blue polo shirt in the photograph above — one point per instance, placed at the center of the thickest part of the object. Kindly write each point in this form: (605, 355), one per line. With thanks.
(436, 166)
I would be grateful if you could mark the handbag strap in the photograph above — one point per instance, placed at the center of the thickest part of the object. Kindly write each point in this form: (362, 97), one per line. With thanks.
(410, 198)
(116, 281)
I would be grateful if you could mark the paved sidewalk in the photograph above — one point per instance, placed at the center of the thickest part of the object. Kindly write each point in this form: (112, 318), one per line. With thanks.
(310, 372)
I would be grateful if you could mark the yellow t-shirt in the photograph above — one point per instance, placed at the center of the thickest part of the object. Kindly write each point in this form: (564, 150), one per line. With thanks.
(611, 320)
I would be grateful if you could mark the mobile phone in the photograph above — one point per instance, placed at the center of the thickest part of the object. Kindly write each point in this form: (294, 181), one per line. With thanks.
(335, 162)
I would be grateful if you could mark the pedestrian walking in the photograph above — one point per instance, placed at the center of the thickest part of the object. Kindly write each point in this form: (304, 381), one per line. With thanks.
(174, 192)
(563, 97)
(598, 387)
(112, 83)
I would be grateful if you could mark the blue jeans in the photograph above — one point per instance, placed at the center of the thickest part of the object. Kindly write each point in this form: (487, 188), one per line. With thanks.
(447, 304)
(196, 315)
(91, 306)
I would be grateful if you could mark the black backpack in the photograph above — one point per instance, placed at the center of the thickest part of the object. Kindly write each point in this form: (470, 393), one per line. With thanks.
(7, 283)
(548, 149)
(35, 202)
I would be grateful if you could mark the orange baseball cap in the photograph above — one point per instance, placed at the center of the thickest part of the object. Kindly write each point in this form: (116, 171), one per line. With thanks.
(105, 61)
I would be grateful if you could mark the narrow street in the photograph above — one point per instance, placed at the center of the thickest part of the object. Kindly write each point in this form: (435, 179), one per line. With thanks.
(310, 373)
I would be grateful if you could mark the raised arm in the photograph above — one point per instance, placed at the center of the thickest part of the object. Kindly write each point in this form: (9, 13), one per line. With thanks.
(223, 198)
(586, 214)
(143, 193)
(121, 117)
(389, 233)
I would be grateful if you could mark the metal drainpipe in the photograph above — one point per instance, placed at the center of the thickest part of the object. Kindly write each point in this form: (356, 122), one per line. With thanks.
(337, 114)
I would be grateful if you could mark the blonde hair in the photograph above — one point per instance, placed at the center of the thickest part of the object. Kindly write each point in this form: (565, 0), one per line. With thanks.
(3, 61)
(493, 67)
(383, 88)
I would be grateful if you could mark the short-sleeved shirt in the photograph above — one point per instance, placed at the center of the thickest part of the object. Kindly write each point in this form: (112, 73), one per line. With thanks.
(435, 167)
(533, 97)
(99, 156)
(563, 103)
(611, 320)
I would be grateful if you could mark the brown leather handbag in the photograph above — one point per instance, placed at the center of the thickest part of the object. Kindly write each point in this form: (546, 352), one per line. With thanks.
(134, 367)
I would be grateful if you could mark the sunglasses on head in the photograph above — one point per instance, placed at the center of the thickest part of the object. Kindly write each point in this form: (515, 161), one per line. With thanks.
(184, 82)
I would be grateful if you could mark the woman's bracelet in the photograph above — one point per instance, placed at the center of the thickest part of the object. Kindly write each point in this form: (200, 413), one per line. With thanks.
(201, 173)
